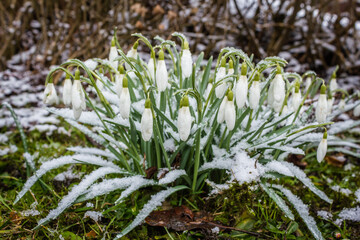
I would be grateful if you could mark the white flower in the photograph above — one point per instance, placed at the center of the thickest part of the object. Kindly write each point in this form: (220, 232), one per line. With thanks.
(278, 92)
(151, 67)
(147, 122)
(161, 73)
(333, 84)
(307, 83)
(342, 104)
(132, 54)
(112, 56)
(118, 83)
(50, 96)
(254, 94)
(241, 90)
(322, 148)
(124, 103)
(184, 119)
(221, 73)
(230, 113)
(296, 101)
(186, 61)
(99, 84)
(330, 103)
(208, 90)
(357, 111)
(67, 92)
(77, 96)
(321, 108)
(271, 94)
(221, 112)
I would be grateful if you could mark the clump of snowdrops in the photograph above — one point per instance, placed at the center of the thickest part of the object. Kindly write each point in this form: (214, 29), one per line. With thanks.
(187, 117)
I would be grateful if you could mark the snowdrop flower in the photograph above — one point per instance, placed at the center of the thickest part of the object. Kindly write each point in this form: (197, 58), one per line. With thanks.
(254, 94)
(119, 76)
(330, 103)
(151, 65)
(221, 73)
(186, 61)
(161, 73)
(77, 96)
(113, 54)
(342, 102)
(241, 87)
(50, 96)
(147, 122)
(221, 113)
(278, 91)
(322, 148)
(231, 67)
(124, 103)
(132, 54)
(208, 88)
(230, 113)
(184, 119)
(333, 83)
(307, 83)
(321, 108)
(296, 99)
(67, 90)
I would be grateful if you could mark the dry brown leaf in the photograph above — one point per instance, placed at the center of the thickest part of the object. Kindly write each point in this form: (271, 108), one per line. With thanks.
(336, 160)
(91, 234)
(158, 10)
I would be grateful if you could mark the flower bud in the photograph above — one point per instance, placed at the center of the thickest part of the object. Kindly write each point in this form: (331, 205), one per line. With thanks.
(230, 113)
(221, 73)
(241, 89)
(125, 102)
(231, 67)
(147, 122)
(151, 66)
(184, 119)
(113, 54)
(254, 94)
(342, 103)
(278, 91)
(119, 76)
(77, 96)
(322, 148)
(321, 108)
(186, 61)
(50, 95)
(161, 73)
(67, 90)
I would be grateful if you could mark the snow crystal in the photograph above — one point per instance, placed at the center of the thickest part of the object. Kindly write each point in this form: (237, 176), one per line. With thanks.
(155, 201)
(29, 159)
(77, 190)
(303, 211)
(357, 195)
(67, 175)
(344, 191)
(89, 204)
(352, 214)
(324, 214)
(96, 216)
(172, 176)
(30, 212)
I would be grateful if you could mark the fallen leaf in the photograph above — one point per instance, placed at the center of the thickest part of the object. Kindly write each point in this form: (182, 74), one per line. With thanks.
(15, 217)
(158, 10)
(336, 160)
(150, 172)
(296, 160)
(91, 234)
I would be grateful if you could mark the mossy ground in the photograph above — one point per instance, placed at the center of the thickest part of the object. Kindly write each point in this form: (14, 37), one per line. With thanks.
(244, 207)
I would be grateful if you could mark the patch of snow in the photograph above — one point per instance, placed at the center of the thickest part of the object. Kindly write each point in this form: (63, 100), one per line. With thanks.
(324, 214)
(96, 216)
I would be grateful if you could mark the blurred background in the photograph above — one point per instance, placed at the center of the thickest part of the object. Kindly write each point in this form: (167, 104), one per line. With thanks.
(310, 34)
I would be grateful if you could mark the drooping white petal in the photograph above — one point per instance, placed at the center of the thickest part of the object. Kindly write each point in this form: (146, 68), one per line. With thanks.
(330, 103)
(254, 95)
(221, 113)
(342, 104)
(241, 90)
(231, 71)
(184, 123)
(50, 95)
(220, 89)
(151, 67)
(321, 109)
(146, 124)
(131, 54)
(67, 92)
(271, 94)
(112, 55)
(208, 90)
(296, 101)
(230, 115)
(307, 83)
(161, 76)
(186, 63)
(278, 92)
(357, 111)
(124, 103)
(322, 149)
(77, 99)
(118, 83)
(99, 84)
(333, 84)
